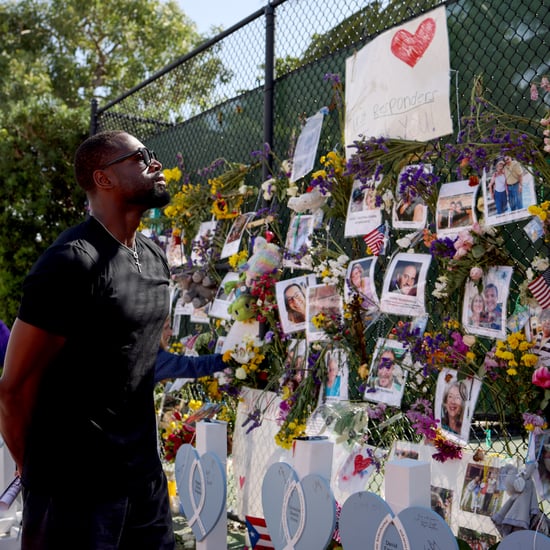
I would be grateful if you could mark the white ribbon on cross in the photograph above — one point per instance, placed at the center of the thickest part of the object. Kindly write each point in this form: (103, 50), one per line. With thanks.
(195, 518)
(290, 542)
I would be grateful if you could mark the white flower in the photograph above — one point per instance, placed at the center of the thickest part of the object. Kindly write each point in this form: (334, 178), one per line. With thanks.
(387, 199)
(530, 274)
(268, 186)
(469, 340)
(440, 290)
(242, 355)
(292, 190)
(222, 377)
(240, 373)
(286, 166)
(343, 259)
(540, 263)
(404, 242)
(244, 189)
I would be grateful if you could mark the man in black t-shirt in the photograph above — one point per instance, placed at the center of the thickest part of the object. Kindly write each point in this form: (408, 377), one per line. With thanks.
(76, 394)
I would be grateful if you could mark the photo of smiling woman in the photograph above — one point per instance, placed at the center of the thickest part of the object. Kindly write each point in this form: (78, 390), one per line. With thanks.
(452, 410)
(455, 402)
(291, 302)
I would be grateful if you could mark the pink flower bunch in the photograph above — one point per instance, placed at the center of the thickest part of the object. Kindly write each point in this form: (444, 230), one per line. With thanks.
(463, 244)
(541, 377)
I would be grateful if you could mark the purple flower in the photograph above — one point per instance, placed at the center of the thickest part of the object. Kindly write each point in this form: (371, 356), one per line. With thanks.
(332, 77)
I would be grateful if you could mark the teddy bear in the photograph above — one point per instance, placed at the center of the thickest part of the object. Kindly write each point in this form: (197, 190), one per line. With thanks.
(266, 258)
(198, 288)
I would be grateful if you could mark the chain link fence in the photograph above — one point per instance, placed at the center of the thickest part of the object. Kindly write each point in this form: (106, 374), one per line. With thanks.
(258, 81)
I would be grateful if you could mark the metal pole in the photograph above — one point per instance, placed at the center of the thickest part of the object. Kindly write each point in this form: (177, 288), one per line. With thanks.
(269, 80)
(93, 117)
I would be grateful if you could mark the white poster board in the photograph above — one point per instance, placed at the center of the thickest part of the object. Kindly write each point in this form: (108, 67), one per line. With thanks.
(397, 86)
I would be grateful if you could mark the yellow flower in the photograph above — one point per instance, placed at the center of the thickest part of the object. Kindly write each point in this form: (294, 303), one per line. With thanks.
(172, 174)
(470, 355)
(319, 174)
(512, 372)
(318, 320)
(237, 259)
(529, 359)
(524, 346)
(226, 356)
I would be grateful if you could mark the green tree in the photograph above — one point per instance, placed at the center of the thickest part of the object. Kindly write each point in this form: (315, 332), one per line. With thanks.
(55, 57)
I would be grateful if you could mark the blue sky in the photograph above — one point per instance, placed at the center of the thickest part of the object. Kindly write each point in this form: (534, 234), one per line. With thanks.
(208, 13)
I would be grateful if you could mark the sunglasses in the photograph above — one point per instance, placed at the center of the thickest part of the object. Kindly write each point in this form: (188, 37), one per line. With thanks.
(147, 156)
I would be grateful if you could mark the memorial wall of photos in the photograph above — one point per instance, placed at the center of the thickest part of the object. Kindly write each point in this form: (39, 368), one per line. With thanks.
(370, 292)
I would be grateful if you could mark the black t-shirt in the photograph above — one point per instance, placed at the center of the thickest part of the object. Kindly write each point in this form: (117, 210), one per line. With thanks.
(94, 423)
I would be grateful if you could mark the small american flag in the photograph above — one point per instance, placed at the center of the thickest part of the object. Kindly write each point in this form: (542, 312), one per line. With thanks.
(375, 239)
(540, 289)
(257, 533)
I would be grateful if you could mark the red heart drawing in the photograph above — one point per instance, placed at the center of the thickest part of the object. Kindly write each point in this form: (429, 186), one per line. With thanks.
(411, 47)
(241, 481)
(361, 463)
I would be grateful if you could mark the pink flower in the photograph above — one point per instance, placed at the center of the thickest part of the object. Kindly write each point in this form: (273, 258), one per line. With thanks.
(534, 92)
(541, 377)
(476, 228)
(463, 244)
(476, 273)
(545, 84)
(462, 251)
(465, 240)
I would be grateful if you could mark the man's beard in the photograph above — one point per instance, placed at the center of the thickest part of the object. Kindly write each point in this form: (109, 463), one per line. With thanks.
(155, 197)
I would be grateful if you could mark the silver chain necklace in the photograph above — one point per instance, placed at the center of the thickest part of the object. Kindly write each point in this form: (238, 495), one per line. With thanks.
(133, 251)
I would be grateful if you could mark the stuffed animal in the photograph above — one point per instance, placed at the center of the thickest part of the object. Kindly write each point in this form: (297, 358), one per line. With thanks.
(241, 308)
(313, 200)
(266, 258)
(198, 288)
(522, 505)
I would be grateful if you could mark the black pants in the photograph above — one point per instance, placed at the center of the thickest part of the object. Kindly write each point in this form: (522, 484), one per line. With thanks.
(142, 520)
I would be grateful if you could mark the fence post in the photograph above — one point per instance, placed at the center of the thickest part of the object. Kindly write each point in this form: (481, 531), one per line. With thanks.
(269, 81)
(93, 117)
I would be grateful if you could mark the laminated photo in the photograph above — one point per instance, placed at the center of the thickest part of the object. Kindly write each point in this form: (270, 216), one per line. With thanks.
(508, 191)
(223, 299)
(233, 239)
(455, 210)
(360, 282)
(388, 373)
(336, 385)
(291, 302)
(455, 403)
(298, 241)
(484, 312)
(363, 215)
(403, 292)
(409, 210)
(323, 303)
